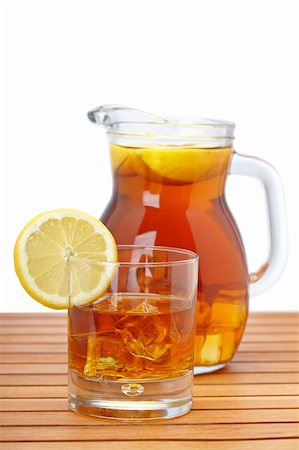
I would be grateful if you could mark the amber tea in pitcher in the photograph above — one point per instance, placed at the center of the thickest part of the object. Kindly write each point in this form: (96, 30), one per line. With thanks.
(169, 180)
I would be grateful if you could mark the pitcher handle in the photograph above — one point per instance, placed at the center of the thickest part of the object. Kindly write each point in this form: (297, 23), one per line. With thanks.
(271, 270)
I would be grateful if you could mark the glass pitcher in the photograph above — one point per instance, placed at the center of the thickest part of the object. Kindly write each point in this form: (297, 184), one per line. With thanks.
(169, 178)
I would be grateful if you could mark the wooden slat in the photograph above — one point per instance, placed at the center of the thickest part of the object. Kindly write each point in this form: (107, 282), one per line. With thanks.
(233, 367)
(245, 390)
(36, 315)
(33, 348)
(57, 329)
(60, 314)
(251, 326)
(271, 329)
(61, 418)
(29, 323)
(35, 404)
(288, 337)
(198, 390)
(33, 391)
(61, 338)
(264, 347)
(266, 356)
(163, 431)
(34, 339)
(261, 367)
(256, 444)
(62, 357)
(246, 402)
(254, 318)
(221, 378)
(61, 328)
(199, 403)
(274, 313)
(30, 318)
(50, 380)
(33, 368)
(28, 358)
(210, 379)
(273, 320)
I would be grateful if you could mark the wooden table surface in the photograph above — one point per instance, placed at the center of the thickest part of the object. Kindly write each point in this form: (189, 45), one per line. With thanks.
(251, 404)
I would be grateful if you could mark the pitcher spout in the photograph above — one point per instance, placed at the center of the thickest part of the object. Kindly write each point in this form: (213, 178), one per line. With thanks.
(109, 115)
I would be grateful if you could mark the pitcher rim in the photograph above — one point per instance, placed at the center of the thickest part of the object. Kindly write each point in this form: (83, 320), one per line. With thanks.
(115, 118)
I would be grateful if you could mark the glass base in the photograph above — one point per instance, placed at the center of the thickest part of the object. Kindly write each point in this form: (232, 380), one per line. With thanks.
(200, 370)
(131, 399)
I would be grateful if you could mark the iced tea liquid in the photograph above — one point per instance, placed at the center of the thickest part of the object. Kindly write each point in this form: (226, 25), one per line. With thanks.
(132, 336)
(174, 197)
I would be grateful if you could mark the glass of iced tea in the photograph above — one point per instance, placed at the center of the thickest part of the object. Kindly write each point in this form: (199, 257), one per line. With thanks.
(131, 351)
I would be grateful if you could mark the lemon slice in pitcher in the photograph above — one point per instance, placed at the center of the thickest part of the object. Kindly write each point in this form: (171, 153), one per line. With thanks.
(58, 257)
(183, 165)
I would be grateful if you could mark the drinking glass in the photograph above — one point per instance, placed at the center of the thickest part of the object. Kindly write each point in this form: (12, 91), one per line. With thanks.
(131, 351)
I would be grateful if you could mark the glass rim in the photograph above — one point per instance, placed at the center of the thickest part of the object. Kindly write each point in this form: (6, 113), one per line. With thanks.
(190, 256)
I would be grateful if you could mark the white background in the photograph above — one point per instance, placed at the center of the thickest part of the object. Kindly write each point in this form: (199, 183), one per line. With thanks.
(235, 60)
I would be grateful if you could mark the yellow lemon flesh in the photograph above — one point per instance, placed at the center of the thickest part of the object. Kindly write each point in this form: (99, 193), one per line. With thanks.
(171, 164)
(59, 258)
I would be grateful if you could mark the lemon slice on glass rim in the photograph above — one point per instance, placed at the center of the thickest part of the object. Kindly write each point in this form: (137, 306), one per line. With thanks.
(58, 258)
